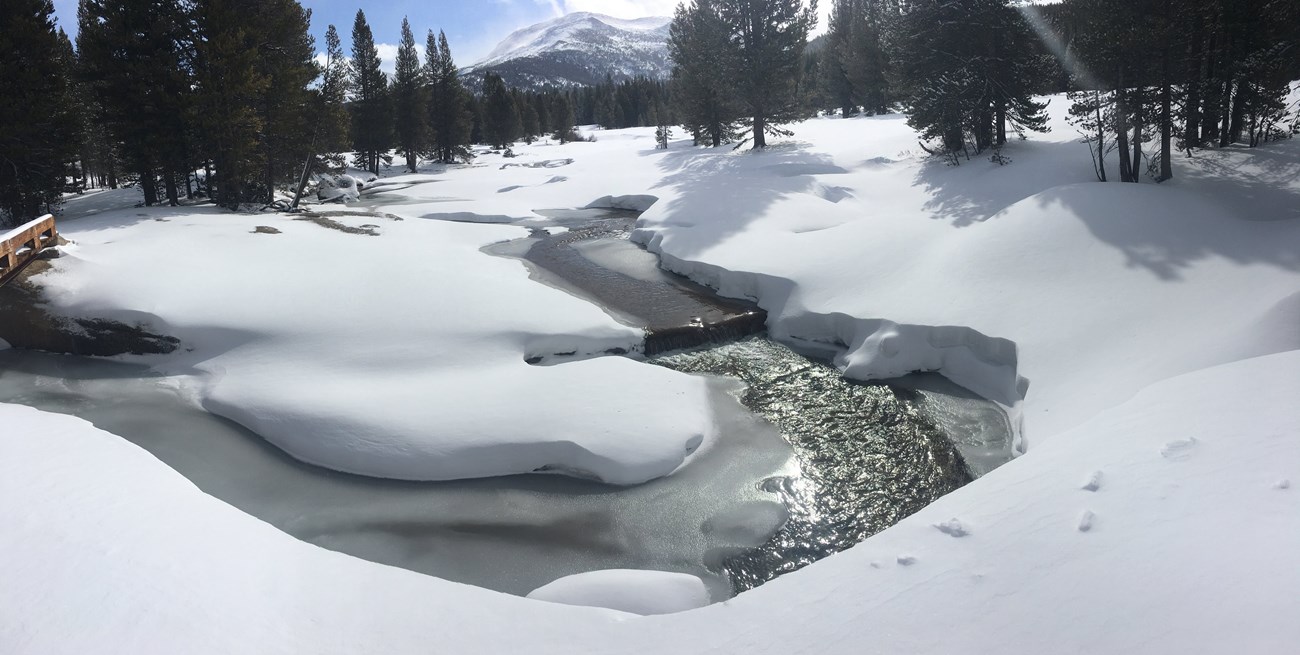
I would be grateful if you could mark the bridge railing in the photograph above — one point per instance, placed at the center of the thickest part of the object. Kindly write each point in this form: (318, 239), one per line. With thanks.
(18, 247)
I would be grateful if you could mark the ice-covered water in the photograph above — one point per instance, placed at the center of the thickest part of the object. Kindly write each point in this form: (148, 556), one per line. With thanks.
(512, 534)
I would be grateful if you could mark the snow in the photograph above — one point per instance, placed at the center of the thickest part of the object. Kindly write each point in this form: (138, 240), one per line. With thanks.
(1144, 336)
(561, 32)
(635, 592)
(382, 355)
(1187, 545)
(11, 234)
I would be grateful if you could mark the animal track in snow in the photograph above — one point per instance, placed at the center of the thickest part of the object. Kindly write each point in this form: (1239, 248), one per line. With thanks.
(1282, 485)
(1085, 520)
(952, 528)
(906, 560)
(1093, 483)
(1178, 449)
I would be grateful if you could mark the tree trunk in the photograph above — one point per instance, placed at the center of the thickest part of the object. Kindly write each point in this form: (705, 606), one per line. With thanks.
(1121, 130)
(1001, 120)
(1137, 149)
(1238, 112)
(1225, 118)
(147, 184)
(760, 133)
(173, 197)
(410, 161)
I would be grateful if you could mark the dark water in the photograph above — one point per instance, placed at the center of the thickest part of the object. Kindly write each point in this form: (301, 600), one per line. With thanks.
(868, 457)
(591, 257)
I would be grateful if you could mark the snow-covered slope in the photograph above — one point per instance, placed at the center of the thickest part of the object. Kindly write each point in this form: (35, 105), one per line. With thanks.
(579, 48)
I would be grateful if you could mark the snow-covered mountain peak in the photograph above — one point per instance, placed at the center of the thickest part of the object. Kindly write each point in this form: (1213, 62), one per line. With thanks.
(580, 48)
(573, 29)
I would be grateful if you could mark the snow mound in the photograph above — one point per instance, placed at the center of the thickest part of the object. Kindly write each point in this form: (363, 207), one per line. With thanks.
(342, 187)
(401, 355)
(635, 203)
(635, 592)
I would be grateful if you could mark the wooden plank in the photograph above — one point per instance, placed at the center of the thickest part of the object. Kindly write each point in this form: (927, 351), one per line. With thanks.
(20, 246)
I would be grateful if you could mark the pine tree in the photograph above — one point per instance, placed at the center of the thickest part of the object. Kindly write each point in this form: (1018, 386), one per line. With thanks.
(286, 59)
(450, 116)
(132, 53)
(371, 104)
(37, 126)
(332, 114)
(837, 58)
(562, 118)
(867, 64)
(499, 118)
(767, 39)
(699, 44)
(964, 94)
(410, 101)
(230, 84)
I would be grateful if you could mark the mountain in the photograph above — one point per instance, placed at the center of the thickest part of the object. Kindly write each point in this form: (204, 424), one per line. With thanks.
(579, 48)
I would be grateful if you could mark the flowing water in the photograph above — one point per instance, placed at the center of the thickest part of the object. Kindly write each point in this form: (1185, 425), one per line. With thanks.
(806, 462)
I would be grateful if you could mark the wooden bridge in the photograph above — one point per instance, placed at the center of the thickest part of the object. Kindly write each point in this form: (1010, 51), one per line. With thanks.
(20, 246)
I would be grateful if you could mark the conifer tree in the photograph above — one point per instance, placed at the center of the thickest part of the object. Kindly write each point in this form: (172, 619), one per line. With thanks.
(700, 47)
(371, 104)
(331, 124)
(450, 115)
(230, 84)
(410, 101)
(37, 126)
(286, 59)
(837, 58)
(336, 80)
(767, 39)
(562, 118)
(964, 94)
(499, 117)
(131, 53)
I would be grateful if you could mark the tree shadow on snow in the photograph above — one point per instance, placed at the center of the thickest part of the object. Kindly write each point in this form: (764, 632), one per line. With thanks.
(1168, 231)
(978, 189)
(1262, 183)
(721, 191)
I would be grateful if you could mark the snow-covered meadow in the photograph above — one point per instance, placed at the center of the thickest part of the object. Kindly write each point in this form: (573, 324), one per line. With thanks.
(1145, 337)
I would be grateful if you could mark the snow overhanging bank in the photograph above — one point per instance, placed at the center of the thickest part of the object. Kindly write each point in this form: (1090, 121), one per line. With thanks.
(868, 349)
(417, 370)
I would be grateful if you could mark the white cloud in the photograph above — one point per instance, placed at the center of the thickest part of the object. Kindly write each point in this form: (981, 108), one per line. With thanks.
(621, 8)
(642, 8)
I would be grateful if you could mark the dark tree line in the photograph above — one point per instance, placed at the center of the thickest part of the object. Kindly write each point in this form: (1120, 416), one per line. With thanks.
(39, 128)
(1183, 74)
(1187, 74)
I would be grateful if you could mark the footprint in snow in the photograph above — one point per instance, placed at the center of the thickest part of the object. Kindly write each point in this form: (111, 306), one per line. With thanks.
(1178, 449)
(952, 528)
(1085, 520)
(1093, 483)
(906, 560)
(1282, 485)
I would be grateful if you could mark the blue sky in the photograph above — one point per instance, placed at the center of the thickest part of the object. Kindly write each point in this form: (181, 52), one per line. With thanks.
(473, 27)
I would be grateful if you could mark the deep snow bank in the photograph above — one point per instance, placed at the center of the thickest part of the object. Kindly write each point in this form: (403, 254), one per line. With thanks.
(1166, 525)
(636, 592)
(401, 356)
